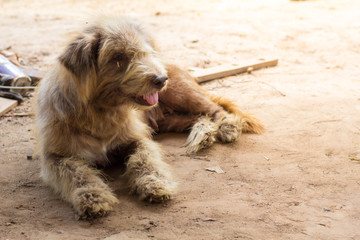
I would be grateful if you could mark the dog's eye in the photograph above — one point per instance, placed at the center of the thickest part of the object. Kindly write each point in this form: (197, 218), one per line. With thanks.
(120, 60)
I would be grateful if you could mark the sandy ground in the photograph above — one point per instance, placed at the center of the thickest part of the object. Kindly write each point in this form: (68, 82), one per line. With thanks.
(299, 180)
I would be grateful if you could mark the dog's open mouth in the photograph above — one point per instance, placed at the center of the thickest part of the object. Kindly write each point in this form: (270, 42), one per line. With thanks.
(147, 99)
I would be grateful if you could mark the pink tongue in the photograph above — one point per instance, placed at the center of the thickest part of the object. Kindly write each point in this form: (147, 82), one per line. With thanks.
(152, 98)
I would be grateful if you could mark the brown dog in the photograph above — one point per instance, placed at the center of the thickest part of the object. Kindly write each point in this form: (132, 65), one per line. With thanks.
(184, 105)
(90, 111)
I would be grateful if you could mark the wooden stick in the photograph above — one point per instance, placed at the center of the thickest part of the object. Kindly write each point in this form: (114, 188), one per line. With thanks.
(6, 105)
(207, 74)
(19, 115)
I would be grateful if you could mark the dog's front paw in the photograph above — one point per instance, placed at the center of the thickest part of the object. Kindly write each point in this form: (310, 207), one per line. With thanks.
(93, 203)
(155, 189)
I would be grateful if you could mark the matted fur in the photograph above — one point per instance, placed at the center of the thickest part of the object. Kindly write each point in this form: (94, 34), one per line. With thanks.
(90, 110)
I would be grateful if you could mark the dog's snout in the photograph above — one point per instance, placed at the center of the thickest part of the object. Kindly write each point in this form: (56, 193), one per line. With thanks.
(159, 81)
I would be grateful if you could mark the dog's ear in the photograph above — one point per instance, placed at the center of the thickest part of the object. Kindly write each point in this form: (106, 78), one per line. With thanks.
(80, 56)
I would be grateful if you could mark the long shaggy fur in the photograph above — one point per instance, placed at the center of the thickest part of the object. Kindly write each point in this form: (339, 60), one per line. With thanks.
(101, 102)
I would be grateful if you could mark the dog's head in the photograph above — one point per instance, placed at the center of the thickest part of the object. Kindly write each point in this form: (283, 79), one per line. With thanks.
(114, 62)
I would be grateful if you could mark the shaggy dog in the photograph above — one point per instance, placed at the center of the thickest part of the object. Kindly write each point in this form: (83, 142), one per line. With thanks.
(90, 111)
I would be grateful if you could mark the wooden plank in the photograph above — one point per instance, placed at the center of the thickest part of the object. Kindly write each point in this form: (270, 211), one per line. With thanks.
(6, 105)
(208, 74)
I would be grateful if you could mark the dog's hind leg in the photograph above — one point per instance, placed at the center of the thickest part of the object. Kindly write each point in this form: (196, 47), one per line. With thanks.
(147, 174)
(78, 184)
(202, 135)
(229, 128)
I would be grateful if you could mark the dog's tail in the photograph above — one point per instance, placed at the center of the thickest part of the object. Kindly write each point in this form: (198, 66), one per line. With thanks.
(249, 123)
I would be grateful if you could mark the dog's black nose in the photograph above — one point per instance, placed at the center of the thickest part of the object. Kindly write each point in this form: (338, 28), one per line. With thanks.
(159, 81)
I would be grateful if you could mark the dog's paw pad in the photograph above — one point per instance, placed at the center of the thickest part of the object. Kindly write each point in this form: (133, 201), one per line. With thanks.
(94, 204)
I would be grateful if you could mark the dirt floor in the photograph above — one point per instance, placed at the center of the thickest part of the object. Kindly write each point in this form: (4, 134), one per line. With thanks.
(299, 180)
